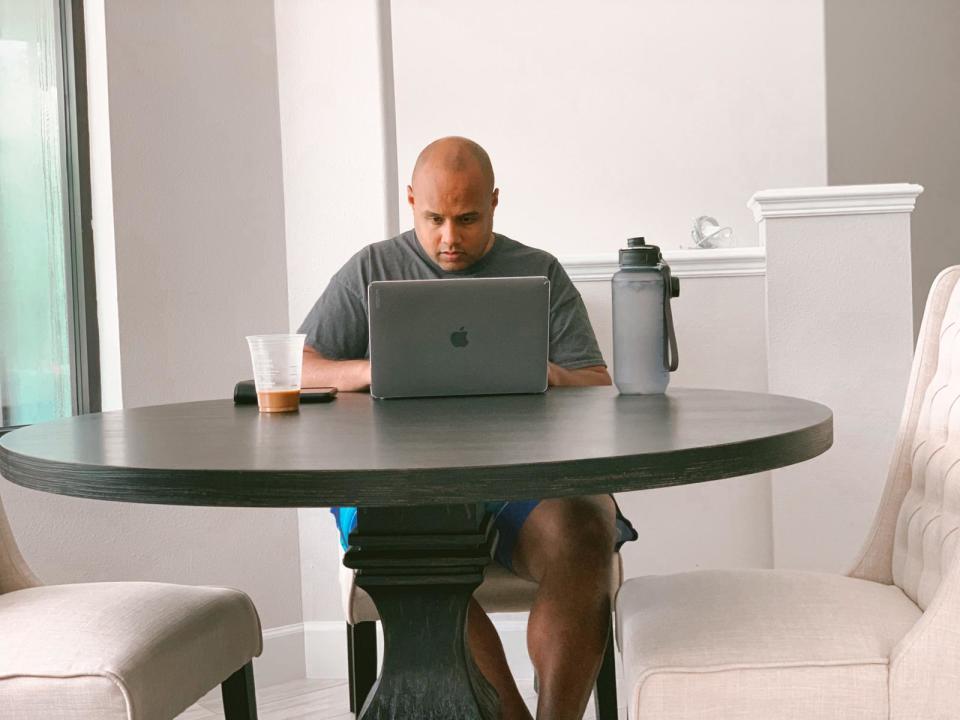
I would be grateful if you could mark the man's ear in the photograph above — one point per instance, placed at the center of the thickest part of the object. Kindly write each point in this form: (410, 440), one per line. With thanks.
(410, 195)
(496, 197)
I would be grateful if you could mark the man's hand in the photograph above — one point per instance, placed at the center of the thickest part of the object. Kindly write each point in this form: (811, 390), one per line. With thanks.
(594, 375)
(345, 375)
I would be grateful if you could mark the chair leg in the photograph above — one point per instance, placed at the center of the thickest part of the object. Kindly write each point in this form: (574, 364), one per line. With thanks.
(239, 695)
(350, 669)
(362, 660)
(605, 692)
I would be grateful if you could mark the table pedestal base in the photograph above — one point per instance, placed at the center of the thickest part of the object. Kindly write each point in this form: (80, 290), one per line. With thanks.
(421, 565)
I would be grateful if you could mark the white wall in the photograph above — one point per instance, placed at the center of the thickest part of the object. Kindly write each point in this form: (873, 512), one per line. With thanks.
(892, 109)
(596, 121)
(597, 125)
(612, 119)
(192, 134)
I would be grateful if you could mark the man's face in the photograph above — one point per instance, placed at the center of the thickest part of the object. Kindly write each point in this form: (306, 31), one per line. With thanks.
(453, 215)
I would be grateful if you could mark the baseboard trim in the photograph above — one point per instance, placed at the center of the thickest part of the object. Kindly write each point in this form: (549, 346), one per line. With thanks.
(325, 646)
(282, 659)
(318, 649)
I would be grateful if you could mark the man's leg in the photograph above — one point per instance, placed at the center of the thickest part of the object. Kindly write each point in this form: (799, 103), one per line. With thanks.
(565, 545)
(488, 653)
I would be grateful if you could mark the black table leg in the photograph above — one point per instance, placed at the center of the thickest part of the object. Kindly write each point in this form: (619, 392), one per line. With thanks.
(421, 565)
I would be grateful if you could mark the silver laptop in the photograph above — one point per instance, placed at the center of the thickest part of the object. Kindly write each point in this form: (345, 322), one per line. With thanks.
(470, 336)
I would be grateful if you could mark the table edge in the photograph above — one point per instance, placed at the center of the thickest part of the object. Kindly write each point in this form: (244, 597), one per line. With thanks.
(425, 486)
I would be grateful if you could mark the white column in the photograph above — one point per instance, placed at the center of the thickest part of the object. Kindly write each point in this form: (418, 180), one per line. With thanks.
(334, 63)
(839, 331)
(340, 187)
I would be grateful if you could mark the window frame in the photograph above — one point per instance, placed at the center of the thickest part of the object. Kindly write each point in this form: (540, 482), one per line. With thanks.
(81, 285)
(84, 344)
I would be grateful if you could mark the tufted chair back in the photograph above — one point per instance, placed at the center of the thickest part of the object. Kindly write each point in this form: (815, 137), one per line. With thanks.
(15, 574)
(914, 538)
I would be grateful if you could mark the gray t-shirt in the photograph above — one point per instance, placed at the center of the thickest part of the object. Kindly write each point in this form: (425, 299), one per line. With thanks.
(337, 326)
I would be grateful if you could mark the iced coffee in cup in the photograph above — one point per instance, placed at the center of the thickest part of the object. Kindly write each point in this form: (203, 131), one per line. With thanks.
(277, 367)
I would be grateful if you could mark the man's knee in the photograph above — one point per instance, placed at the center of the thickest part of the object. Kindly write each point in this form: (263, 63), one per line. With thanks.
(571, 527)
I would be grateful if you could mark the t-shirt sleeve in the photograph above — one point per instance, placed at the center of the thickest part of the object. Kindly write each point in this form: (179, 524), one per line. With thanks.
(573, 344)
(336, 326)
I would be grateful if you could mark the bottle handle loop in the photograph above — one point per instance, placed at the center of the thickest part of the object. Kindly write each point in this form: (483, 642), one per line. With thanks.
(671, 360)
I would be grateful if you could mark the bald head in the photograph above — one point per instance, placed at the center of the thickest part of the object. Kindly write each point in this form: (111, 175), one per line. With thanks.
(453, 200)
(454, 155)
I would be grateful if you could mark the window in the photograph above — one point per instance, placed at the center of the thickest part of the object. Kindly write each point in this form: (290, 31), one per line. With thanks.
(48, 359)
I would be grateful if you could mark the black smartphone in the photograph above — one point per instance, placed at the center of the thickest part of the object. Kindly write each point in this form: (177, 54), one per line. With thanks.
(318, 394)
(245, 393)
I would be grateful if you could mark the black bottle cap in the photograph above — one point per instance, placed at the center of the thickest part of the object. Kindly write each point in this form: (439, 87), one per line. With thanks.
(639, 254)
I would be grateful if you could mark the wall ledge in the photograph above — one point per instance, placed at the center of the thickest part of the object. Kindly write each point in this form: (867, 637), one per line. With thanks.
(716, 262)
(834, 200)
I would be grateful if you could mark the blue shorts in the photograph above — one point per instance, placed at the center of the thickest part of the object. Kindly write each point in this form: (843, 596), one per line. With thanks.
(508, 520)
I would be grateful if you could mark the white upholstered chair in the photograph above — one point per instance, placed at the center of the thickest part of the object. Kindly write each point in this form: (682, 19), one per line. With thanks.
(501, 591)
(124, 651)
(882, 641)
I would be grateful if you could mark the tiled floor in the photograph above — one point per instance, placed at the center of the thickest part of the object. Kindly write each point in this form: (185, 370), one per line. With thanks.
(317, 700)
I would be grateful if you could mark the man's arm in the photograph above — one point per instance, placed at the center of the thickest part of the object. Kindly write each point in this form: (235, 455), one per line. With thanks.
(593, 375)
(345, 375)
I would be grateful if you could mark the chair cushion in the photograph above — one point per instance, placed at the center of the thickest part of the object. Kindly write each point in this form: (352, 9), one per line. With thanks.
(135, 651)
(501, 591)
(759, 644)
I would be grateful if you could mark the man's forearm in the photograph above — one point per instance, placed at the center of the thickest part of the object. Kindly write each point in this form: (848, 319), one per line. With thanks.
(345, 375)
(354, 375)
(594, 375)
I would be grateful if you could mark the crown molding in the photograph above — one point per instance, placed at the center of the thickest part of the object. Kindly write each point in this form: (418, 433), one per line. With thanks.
(714, 262)
(835, 200)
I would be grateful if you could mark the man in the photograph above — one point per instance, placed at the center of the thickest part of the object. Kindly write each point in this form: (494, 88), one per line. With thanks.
(565, 544)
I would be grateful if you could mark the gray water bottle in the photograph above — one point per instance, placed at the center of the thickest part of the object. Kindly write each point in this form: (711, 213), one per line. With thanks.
(644, 344)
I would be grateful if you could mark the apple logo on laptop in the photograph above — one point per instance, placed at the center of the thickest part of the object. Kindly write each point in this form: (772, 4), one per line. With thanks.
(459, 338)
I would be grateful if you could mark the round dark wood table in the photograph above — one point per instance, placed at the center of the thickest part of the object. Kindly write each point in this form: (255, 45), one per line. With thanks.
(420, 471)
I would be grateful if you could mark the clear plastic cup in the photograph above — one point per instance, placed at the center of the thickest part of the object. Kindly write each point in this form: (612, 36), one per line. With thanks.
(277, 369)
